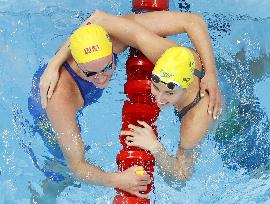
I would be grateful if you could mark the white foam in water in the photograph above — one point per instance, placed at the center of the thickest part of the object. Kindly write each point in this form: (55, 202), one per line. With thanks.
(248, 7)
(261, 90)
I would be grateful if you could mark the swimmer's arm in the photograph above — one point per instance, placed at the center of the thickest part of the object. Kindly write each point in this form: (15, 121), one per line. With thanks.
(133, 34)
(50, 77)
(193, 128)
(165, 23)
(63, 119)
(179, 167)
(62, 54)
(62, 114)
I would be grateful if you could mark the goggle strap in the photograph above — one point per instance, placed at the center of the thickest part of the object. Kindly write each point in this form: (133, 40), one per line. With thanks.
(198, 73)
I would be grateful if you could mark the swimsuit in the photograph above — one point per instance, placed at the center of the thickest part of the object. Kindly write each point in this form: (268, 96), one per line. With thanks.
(89, 91)
(181, 113)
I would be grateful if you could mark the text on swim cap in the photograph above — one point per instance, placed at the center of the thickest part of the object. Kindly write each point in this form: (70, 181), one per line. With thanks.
(90, 49)
(165, 74)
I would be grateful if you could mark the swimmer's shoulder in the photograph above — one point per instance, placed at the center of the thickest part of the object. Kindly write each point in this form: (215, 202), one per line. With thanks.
(66, 91)
(199, 112)
(196, 123)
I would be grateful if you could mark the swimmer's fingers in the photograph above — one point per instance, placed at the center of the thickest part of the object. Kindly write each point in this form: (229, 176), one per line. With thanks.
(52, 87)
(129, 143)
(48, 82)
(127, 132)
(212, 101)
(130, 139)
(215, 98)
(144, 124)
(43, 86)
(210, 85)
(217, 108)
(203, 88)
(140, 195)
(135, 128)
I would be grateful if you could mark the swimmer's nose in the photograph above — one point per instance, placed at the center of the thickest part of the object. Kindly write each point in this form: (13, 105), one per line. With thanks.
(100, 78)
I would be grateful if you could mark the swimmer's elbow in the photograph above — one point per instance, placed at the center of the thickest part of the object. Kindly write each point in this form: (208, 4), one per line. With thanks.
(76, 169)
(199, 20)
(184, 169)
(96, 16)
(195, 21)
(184, 174)
(188, 175)
(97, 12)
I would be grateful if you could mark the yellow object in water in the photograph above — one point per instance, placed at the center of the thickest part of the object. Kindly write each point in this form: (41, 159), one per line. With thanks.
(90, 42)
(140, 172)
(176, 64)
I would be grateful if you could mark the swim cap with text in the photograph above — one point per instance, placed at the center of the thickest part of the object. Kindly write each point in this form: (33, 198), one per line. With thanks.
(90, 42)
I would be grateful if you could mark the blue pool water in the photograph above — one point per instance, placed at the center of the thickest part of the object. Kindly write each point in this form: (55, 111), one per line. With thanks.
(234, 162)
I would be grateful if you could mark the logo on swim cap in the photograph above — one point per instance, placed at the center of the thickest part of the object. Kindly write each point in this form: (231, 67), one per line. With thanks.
(186, 79)
(165, 74)
(90, 42)
(176, 64)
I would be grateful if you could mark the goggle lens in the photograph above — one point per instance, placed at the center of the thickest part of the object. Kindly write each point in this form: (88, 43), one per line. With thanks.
(170, 85)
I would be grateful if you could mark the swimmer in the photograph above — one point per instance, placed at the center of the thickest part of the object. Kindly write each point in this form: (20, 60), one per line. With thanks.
(175, 81)
(60, 82)
(82, 79)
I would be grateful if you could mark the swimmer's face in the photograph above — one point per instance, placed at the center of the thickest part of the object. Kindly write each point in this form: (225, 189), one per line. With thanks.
(164, 96)
(98, 71)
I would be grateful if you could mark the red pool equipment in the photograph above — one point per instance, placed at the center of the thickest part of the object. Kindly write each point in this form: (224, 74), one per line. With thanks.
(150, 5)
(139, 106)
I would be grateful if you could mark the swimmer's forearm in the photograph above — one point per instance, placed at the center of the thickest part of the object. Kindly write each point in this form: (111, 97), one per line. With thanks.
(61, 56)
(198, 33)
(133, 34)
(165, 23)
(93, 175)
(122, 28)
(179, 168)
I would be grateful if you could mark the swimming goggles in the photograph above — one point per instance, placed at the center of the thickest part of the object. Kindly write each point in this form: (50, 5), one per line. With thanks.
(90, 73)
(172, 85)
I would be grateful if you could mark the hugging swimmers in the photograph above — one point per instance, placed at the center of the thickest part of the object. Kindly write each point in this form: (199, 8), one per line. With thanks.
(73, 81)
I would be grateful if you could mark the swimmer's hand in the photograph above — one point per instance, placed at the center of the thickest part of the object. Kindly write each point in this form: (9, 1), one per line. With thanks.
(143, 137)
(132, 182)
(48, 82)
(209, 83)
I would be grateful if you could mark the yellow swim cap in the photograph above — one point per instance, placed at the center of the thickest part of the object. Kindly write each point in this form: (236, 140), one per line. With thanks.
(176, 65)
(90, 42)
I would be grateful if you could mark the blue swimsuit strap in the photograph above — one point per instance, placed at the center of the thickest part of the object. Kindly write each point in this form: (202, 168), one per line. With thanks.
(84, 85)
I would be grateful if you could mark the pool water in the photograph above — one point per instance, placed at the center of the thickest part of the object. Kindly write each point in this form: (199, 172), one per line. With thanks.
(234, 162)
